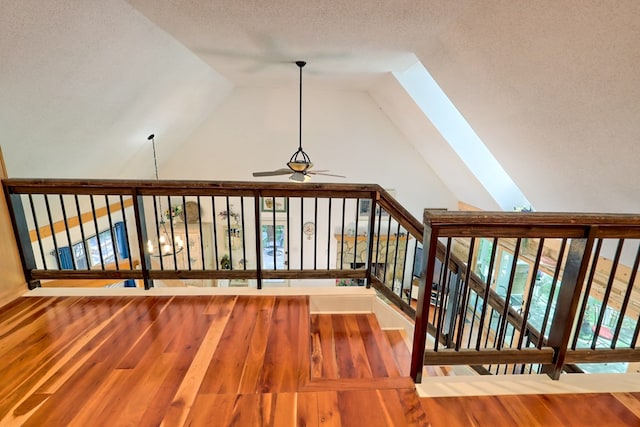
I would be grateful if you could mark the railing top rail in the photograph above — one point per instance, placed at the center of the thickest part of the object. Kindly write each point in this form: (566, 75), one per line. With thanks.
(187, 187)
(536, 224)
(396, 210)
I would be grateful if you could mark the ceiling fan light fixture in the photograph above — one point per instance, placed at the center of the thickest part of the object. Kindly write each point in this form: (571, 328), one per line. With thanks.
(299, 163)
(299, 177)
(298, 166)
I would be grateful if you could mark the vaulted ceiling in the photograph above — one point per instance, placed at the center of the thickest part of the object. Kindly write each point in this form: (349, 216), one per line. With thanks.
(552, 89)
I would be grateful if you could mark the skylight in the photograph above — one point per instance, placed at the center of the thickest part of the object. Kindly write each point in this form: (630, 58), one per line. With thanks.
(435, 104)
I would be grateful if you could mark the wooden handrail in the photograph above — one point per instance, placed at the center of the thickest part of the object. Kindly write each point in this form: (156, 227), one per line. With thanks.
(583, 228)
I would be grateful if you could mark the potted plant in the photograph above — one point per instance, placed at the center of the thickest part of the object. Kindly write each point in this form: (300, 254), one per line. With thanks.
(225, 262)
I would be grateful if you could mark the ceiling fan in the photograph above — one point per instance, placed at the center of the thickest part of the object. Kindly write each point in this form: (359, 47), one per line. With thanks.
(299, 165)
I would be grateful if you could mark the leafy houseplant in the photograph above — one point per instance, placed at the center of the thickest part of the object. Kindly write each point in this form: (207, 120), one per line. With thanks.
(225, 262)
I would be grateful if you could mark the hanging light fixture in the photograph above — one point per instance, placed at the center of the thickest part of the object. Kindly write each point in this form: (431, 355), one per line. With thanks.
(164, 246)
(299, 165)
(300, 161)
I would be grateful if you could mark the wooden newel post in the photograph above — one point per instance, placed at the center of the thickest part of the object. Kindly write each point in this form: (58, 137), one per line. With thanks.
(141, 229)
(568, 299)
(430, 246)
(21, 230)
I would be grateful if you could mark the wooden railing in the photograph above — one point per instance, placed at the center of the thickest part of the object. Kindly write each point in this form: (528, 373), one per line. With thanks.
(77, 231)
(473, 306)
(505, 323)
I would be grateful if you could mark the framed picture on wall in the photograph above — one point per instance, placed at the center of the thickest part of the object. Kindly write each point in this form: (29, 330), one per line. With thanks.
(364, 208)
(271, 204)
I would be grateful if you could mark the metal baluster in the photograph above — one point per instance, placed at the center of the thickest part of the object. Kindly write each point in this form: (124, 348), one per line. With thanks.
(507, 298)
(487, 292)
(627, 297)
(587, 291)
(66, 228)
(315, 234)
(126, 232)
(215, 232)
(95, 223)
(607, 293)
(113, 236)
(328, 236)
(35, 222)
(157, 227)
(552, 291)
(186, 234)
(532, 285)
(244, 242)
(200, 230)
(229, 232)
(84, 239)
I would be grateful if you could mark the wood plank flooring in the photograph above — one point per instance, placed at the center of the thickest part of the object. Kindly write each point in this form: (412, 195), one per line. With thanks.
(237, 361)
(196, 360)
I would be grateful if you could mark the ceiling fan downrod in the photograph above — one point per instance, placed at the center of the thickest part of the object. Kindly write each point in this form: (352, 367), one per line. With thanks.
(300, 161)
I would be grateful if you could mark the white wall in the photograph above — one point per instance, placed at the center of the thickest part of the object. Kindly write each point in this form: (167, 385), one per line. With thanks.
(256, 129)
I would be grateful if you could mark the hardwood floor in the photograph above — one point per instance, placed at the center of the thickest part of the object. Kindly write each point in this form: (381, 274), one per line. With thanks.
(208, 360)
(236, 361)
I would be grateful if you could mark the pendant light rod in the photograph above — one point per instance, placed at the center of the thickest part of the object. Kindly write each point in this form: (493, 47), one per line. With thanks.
(300, 64)
(155, 161)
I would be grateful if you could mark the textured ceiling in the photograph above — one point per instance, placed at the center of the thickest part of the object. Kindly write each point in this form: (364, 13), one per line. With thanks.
(551, 87)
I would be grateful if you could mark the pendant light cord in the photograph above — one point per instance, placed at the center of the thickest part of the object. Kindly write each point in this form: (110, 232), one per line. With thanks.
(155, 161)
(300, 64)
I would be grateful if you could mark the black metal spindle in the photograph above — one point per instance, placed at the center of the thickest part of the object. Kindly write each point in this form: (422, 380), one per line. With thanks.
(404, 263)
(288, 225)
(355, 236)
(66, 229)
(257, 218)
(273, 214)
(627, 298)
(35, 223)
(229, 232)
(315, 234)
(344, 202)
(507, 298)
(552, 292)
(587, 290)
(186, 234)
(53, 230)
(395, 261)
(157, 227)
(301, 235)
(111, 230)
(95, 223)
(415, 253)
(215, 232)
(328, 235)
(378, 216)
(532, 285)
(464, 296)
(126, 232)
(607, 293)
(386, 254)
(173, 236)
(244, 242)
(84, 239)
(200, 231)
(487, 292)
(444, 283)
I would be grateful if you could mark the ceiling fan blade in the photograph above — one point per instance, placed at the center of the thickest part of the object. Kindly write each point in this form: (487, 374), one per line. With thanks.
(326, 174)
(282, 171)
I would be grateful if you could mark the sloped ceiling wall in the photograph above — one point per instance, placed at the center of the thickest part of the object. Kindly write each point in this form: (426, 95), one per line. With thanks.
(256, 129)
(550, 87)
(84, 83)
